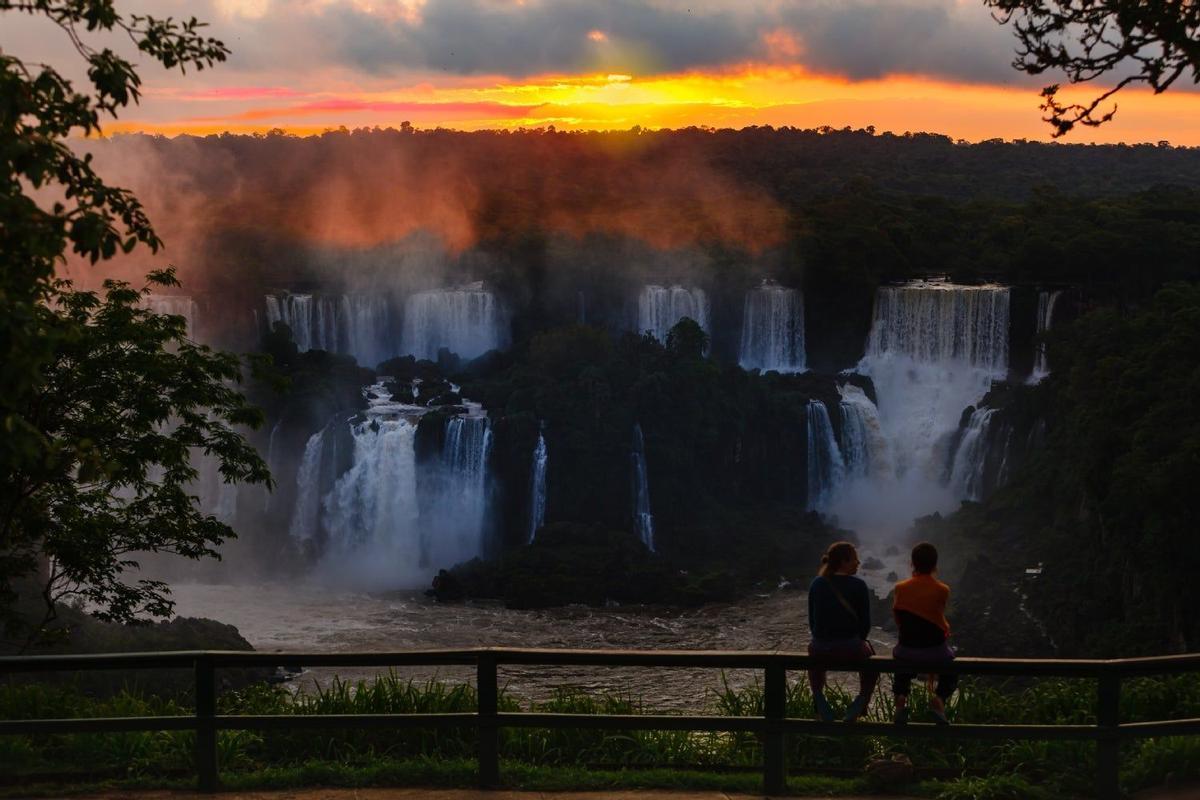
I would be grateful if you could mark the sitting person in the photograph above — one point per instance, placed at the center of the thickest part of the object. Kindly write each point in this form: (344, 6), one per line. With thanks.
(839, 616)
(920, 611)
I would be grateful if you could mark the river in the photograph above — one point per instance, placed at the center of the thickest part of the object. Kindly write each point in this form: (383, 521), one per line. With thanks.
(277, 617)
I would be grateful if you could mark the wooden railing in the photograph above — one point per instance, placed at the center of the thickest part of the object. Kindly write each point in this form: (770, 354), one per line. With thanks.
(774, 726)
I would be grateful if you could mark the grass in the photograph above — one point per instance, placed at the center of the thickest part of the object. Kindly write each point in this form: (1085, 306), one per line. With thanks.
(543, 759)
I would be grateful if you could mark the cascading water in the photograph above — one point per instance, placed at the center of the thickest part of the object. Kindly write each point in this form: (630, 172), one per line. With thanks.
(1045, 318)
(460, 516)
(368, 526)
(863, 445)
(304, 524)
(970, 457)
(773, 330)
(271, 445)
(825, 466)
(313, 320)
(364, 328)
(467, 321)
(217, 497)
(934, 349)
(351, 324)
(661, 308)
(643, 520)
(537, 486)
(175, 304)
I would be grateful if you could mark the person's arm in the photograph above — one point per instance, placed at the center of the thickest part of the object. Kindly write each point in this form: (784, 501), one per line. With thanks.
(812, 589)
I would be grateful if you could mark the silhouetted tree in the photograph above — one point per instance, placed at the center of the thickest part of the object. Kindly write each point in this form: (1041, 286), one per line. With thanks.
(1158, 42)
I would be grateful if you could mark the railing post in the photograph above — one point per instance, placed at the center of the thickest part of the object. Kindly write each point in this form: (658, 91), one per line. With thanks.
(488, 721)
(206, 725)
(774, 740)
(1108, 746)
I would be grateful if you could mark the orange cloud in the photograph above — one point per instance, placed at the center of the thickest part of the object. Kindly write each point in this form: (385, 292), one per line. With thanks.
(754, 94)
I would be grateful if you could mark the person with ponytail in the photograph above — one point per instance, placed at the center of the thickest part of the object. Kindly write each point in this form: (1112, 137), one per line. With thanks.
(839, 617)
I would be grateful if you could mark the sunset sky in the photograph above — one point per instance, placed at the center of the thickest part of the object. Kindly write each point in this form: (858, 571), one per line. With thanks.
(901, 65)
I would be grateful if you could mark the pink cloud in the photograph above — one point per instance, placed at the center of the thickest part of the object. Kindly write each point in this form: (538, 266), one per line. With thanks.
(346, 105)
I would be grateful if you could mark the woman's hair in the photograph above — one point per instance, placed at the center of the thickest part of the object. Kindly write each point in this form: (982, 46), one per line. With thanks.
(837, 555)
(924, 558)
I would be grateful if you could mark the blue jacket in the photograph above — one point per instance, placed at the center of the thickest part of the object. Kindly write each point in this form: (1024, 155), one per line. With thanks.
(828, 619)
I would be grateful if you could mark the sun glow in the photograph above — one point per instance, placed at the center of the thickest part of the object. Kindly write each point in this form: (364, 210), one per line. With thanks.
(753, 94)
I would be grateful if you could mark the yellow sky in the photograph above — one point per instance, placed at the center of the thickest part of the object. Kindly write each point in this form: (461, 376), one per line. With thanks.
(736, 97)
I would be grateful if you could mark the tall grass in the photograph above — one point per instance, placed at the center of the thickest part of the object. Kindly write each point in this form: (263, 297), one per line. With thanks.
(991, 769)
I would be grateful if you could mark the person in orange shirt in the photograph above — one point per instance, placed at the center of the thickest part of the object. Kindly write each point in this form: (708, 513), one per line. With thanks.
(920, 611)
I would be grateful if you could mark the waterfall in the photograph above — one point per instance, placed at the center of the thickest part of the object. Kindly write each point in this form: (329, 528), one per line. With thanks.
(660, 308)
(351, 324)
(304, 523)
(371, 514)
(364, 328)
(176, 304)
(537, 487)
(970, 457)
(271, 443)
(773, 330)
(934, 349)
(1045, 317)
(467, 321)
(863, 446)
(375, 526)
(313, 320)
(458, 519)
(825, 466)
(643, 520)
(217, 497)
(941, 323)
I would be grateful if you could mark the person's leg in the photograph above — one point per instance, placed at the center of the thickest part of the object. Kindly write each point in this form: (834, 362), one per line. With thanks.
(946, 684)
(866, 686)
(816, 679)
(901, 686)
(824, 711)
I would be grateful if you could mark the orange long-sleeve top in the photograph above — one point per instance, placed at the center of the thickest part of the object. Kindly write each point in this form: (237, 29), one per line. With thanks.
(925, 596)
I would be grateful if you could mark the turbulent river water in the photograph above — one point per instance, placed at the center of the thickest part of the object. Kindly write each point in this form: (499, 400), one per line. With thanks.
(275, 617)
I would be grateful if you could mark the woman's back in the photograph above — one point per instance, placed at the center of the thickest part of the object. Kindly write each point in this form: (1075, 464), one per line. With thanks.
(831, 619)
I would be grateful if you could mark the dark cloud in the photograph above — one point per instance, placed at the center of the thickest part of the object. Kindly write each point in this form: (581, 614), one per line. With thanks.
(857, 39)
(862, 39)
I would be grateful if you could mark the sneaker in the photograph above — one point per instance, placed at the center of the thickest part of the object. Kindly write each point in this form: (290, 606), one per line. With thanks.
(824, 712)
(856, 709)
(938, 712)
(902, 716)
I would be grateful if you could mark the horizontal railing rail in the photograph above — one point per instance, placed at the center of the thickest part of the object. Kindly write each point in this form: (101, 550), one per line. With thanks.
(773, 726)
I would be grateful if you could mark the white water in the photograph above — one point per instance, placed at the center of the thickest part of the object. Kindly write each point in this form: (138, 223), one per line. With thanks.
(1045, 318)
(303, 526)
(537, 487)
(217, 497)
(457, 518)
(175, 304)
(380, 532)
(934, 349)
(352, 324)
(271, 444)
(825, 466)
(467, 321)
(661, 308)
(970, 458)
(643, 520)
(863, 445)
(773, 330)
